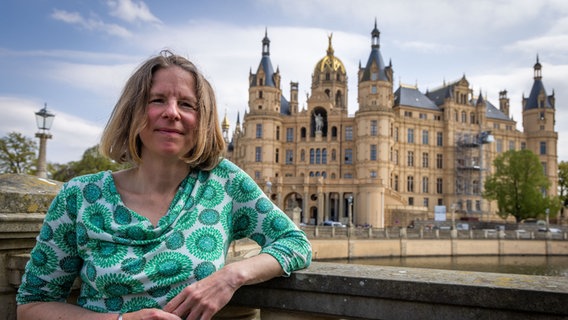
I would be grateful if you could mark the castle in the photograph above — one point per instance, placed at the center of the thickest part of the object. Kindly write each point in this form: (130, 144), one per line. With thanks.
(402, 156)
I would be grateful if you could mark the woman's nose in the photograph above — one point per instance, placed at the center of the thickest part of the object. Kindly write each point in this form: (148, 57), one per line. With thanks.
(171, 111)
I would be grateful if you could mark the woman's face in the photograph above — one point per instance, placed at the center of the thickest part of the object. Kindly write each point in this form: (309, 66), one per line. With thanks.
(171, 113)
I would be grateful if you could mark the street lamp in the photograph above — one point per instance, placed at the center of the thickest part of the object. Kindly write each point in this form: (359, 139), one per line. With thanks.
(485, 137)
(44, 120)
(350, 211)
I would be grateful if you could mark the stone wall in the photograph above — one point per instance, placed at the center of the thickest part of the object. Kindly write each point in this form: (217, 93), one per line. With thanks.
(24, 200)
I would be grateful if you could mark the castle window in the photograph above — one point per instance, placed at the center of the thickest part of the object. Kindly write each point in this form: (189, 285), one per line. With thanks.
(261, 82)
(277, 132)
(259, 130)
(543, 164)
(349, 133)
(511, 145)
(289, 134)
(373, 152)
(373, 174)
(425, 160)
(410, 184)
(289, 156)
(410, 201)
(543, 147)
(410, 159)
(373, 89)
(476, 187)
(277, 155)
(426, 202)
(334, 132)
(303, 133)
(499, 145)
(464, 116)
(303, 155)
(425, 183)
(439, 139)
(312, 156)
(439, 161)
(410, 136)
(333, 155)
(373, 127)
(324, 156)
(425, 137)
(318, 156)
(395, 185)
(348, 156)
(258, 154)
(260, 94)
(374, 76)
(439, 185)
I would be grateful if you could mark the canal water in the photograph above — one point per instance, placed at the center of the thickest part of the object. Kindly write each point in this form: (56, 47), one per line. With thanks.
(531, 265)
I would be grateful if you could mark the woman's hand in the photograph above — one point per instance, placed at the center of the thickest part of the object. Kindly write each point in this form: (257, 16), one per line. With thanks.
(150, 314)
(203, 299)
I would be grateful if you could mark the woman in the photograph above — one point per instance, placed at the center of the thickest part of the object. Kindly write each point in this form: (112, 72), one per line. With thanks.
(150, 242)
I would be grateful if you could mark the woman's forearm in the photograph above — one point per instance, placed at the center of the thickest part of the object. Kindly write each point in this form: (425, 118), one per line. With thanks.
(59, 311)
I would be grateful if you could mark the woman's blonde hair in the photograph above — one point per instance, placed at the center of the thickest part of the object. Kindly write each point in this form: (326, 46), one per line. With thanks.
(120, 140)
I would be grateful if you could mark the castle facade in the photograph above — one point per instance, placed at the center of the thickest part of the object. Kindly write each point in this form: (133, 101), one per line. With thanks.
(404, 155)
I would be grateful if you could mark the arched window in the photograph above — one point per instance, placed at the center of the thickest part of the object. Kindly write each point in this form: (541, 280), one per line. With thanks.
(312, 156)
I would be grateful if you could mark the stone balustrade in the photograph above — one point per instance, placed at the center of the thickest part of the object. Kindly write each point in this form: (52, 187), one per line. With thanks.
(324, 290)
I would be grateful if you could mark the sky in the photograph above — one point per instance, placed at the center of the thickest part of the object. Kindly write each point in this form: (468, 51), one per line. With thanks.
(75, 55)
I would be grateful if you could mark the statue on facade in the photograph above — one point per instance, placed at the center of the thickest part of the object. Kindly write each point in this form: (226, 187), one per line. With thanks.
(319, 122)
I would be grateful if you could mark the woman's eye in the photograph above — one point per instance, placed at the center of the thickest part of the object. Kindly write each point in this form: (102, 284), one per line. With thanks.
(157, 100)
(188, 105)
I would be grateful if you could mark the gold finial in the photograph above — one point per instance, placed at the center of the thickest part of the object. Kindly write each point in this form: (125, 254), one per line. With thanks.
(330, 47)
(226, 123)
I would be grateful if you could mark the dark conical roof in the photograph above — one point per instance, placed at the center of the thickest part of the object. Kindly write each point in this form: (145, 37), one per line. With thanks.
(375, 57)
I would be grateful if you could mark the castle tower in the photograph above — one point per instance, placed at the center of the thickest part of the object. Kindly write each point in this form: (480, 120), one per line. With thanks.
(538, 125)
(260, 145)
(374, 141)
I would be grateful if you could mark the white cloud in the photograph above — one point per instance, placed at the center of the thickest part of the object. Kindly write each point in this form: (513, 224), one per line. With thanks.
(93, 24)
(131, 11)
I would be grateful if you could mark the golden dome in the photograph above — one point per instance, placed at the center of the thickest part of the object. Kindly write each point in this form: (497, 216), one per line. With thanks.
(225, 124)
(330, 62)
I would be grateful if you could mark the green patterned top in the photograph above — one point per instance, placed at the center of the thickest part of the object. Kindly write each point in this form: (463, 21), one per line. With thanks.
(127, 264)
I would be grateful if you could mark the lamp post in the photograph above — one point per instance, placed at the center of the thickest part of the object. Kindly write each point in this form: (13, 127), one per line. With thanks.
(350, 211)
(44, 120)
(485, 137)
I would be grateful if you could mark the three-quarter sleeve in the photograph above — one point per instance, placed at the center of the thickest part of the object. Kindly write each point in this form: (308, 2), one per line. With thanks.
(54, 262)
(256, 217)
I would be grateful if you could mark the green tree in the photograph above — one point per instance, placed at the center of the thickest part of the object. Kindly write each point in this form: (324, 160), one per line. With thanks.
(91, 162)
(17, 154)
(518, 184)
(563, 181)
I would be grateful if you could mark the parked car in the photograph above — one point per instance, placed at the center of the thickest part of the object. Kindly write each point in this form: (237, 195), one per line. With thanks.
(462, 226)
(553, 230)
(333, 223)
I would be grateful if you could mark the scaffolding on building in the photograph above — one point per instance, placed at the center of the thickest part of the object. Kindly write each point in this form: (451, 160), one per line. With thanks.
(469, 158)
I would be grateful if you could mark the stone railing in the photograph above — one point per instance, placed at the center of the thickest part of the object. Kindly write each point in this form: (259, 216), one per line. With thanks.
(348, 291)
(324, 290)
